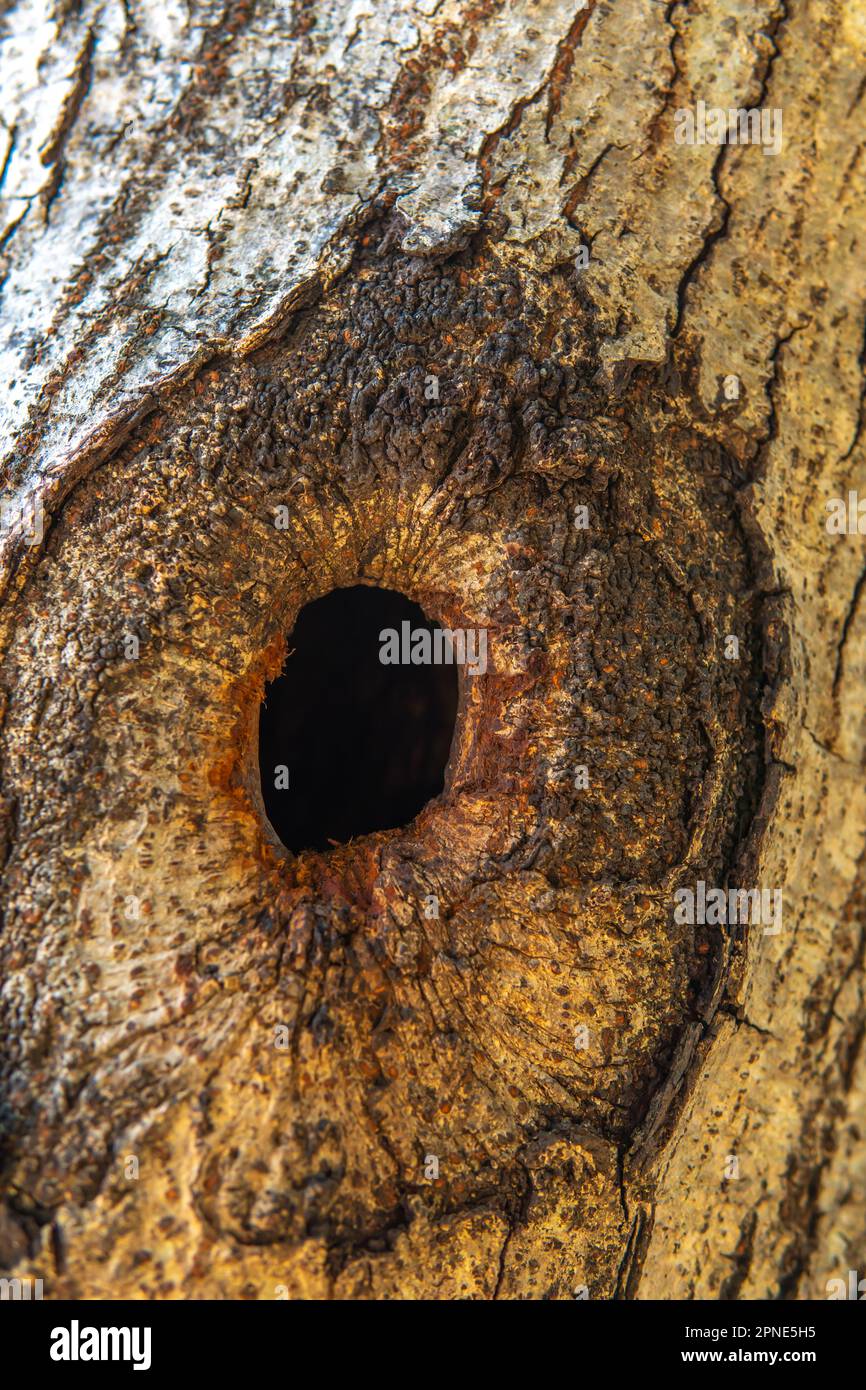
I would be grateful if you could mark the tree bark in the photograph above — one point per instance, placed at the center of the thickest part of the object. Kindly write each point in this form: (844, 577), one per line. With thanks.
(238, 246)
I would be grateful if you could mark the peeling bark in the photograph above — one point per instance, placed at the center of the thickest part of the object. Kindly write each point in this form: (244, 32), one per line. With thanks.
(237, 244)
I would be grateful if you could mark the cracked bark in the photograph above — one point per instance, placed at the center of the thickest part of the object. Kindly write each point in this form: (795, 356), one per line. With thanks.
(265, 234)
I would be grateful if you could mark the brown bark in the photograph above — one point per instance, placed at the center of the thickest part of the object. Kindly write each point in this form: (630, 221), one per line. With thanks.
(284, 250)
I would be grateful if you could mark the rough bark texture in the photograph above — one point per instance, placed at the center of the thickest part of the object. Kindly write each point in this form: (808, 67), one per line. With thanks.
(237, 243)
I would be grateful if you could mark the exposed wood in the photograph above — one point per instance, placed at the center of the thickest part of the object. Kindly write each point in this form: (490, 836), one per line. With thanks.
(238, 243)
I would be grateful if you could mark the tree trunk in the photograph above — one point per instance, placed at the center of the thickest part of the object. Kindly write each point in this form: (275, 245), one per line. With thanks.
(331, 261)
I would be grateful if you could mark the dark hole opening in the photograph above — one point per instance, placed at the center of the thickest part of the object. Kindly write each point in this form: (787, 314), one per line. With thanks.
(363, 746)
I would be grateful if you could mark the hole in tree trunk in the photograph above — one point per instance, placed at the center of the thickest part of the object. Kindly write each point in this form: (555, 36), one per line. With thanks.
(348, 745)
